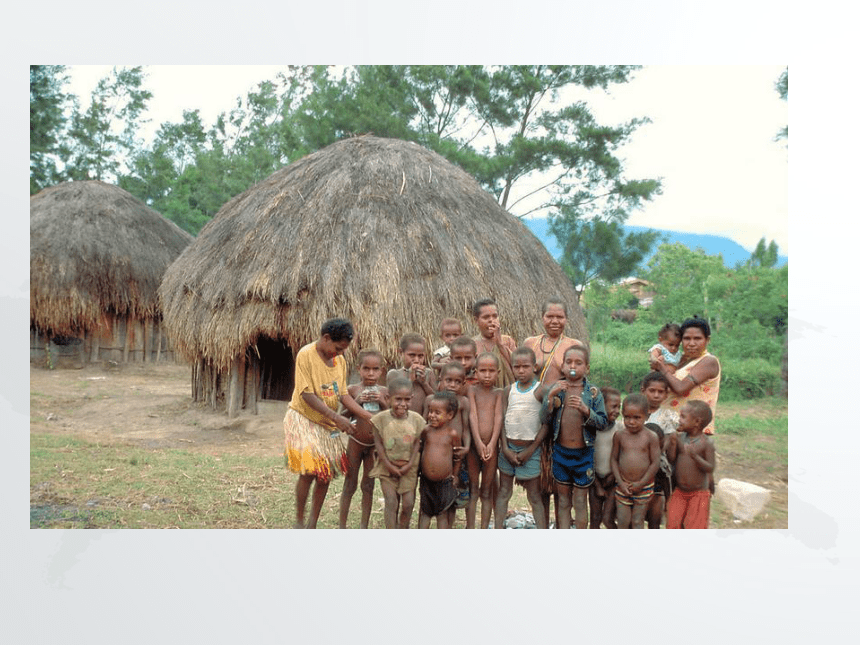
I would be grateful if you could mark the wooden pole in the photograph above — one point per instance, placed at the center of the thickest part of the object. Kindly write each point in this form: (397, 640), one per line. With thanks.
(147, 340)
(234, 393)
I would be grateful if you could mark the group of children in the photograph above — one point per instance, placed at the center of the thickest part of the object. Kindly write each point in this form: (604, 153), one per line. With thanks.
(444, 427)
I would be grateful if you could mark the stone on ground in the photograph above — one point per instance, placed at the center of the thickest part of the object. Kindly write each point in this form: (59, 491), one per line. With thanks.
(743, 499)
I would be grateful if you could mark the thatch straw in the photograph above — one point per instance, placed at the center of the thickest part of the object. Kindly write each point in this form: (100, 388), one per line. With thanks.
(94, 248)
(381, 231)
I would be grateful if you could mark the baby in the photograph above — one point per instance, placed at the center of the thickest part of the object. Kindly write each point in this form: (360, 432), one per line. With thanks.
(669, 346)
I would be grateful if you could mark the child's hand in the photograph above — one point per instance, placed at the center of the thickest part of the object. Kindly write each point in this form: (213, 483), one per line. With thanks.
(624, 487)
(460, 452)
(512, 457)
(488, 453)
(599, 490)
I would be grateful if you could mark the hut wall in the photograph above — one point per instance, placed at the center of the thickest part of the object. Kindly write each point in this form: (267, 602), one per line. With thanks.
(248, 379)
(117, 339)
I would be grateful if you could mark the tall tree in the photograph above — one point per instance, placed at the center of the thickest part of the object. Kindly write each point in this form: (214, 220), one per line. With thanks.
(782, 89)
(105, 134)
(48, 105)
(597, 248)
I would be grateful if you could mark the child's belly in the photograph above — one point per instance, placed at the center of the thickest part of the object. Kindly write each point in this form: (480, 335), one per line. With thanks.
(633, 464)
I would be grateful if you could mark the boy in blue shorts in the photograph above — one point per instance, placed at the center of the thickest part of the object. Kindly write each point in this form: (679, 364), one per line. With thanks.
(575, 411)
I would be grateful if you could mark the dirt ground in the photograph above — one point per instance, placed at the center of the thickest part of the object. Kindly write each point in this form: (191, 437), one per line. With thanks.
(148, 405)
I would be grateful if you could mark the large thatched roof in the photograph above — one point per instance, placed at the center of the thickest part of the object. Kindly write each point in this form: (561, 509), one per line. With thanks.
(381, 231)
(94, 249)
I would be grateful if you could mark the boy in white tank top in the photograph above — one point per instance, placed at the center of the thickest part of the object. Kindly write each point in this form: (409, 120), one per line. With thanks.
(521, 438)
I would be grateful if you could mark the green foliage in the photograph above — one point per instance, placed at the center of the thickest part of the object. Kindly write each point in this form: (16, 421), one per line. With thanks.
(48, 105)
(684, 281)
(105, 134)
(598, 249)
(782, 89)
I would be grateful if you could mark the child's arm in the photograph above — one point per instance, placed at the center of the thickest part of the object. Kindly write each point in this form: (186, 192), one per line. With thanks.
(412, 457)
(383, 397)
(355, 393)
(473, 422)
(672, 447)
(705, 462)
(339, 420)
(526, 454)
(357, 411)
(491, 447)
(613, 462)
(465, 415)
(380, 451)
(654, 456)
(509, 454)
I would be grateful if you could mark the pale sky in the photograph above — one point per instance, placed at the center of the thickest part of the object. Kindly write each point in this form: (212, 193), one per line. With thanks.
(711, 137)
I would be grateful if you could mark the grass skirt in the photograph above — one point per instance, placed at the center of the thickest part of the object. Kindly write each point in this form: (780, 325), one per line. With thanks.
(309, 448)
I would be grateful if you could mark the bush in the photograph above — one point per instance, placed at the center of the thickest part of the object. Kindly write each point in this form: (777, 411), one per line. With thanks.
(748, 378)
(624, 369)
(636, 336)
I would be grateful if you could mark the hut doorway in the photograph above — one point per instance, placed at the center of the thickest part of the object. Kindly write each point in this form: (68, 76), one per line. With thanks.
(277, 369)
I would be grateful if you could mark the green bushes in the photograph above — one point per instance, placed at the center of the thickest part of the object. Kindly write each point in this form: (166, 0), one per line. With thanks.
(750, 369)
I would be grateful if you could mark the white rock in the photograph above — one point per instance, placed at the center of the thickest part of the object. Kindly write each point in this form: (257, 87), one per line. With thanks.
(743, 499)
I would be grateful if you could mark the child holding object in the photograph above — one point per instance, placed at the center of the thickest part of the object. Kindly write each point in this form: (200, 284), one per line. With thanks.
(449, 331)
(413, 353)
(693, 456)
(372, 397)
(635, 460)
(439, 442)
(576, 412)
(396, 434)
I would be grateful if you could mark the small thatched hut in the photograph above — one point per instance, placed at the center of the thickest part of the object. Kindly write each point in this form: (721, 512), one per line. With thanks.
(97, 256)
(381, 231)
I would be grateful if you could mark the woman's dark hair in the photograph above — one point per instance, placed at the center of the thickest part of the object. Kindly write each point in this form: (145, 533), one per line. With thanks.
(554, 301)
(480, 304)
(337, 329)
(695, 321)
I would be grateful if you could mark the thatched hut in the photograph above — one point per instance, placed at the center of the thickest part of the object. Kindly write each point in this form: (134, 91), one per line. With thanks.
(97, 256)
(381, 231)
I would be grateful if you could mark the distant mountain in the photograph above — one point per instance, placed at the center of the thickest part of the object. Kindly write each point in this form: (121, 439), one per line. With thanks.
(731, 251)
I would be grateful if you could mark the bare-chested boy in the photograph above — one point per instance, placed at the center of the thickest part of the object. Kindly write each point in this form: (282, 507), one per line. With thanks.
(413, 352)
(396, 435)
(451, 380)
(449, 331)
(439, 443)
(601, 495)
(694, 458)
(635, 460)
(485, 402)
(360, 449)
(576, 412)
(521, 438)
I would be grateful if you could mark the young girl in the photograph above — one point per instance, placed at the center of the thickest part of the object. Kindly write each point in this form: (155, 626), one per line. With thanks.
(396, 434)
(669, 346)
(360, 450)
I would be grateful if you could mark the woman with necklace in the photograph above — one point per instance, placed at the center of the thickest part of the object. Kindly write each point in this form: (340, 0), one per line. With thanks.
(549, 347)
(698, 375)
(491, 340)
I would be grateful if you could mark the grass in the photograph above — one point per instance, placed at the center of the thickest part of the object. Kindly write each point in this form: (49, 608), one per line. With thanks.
(76, 483)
